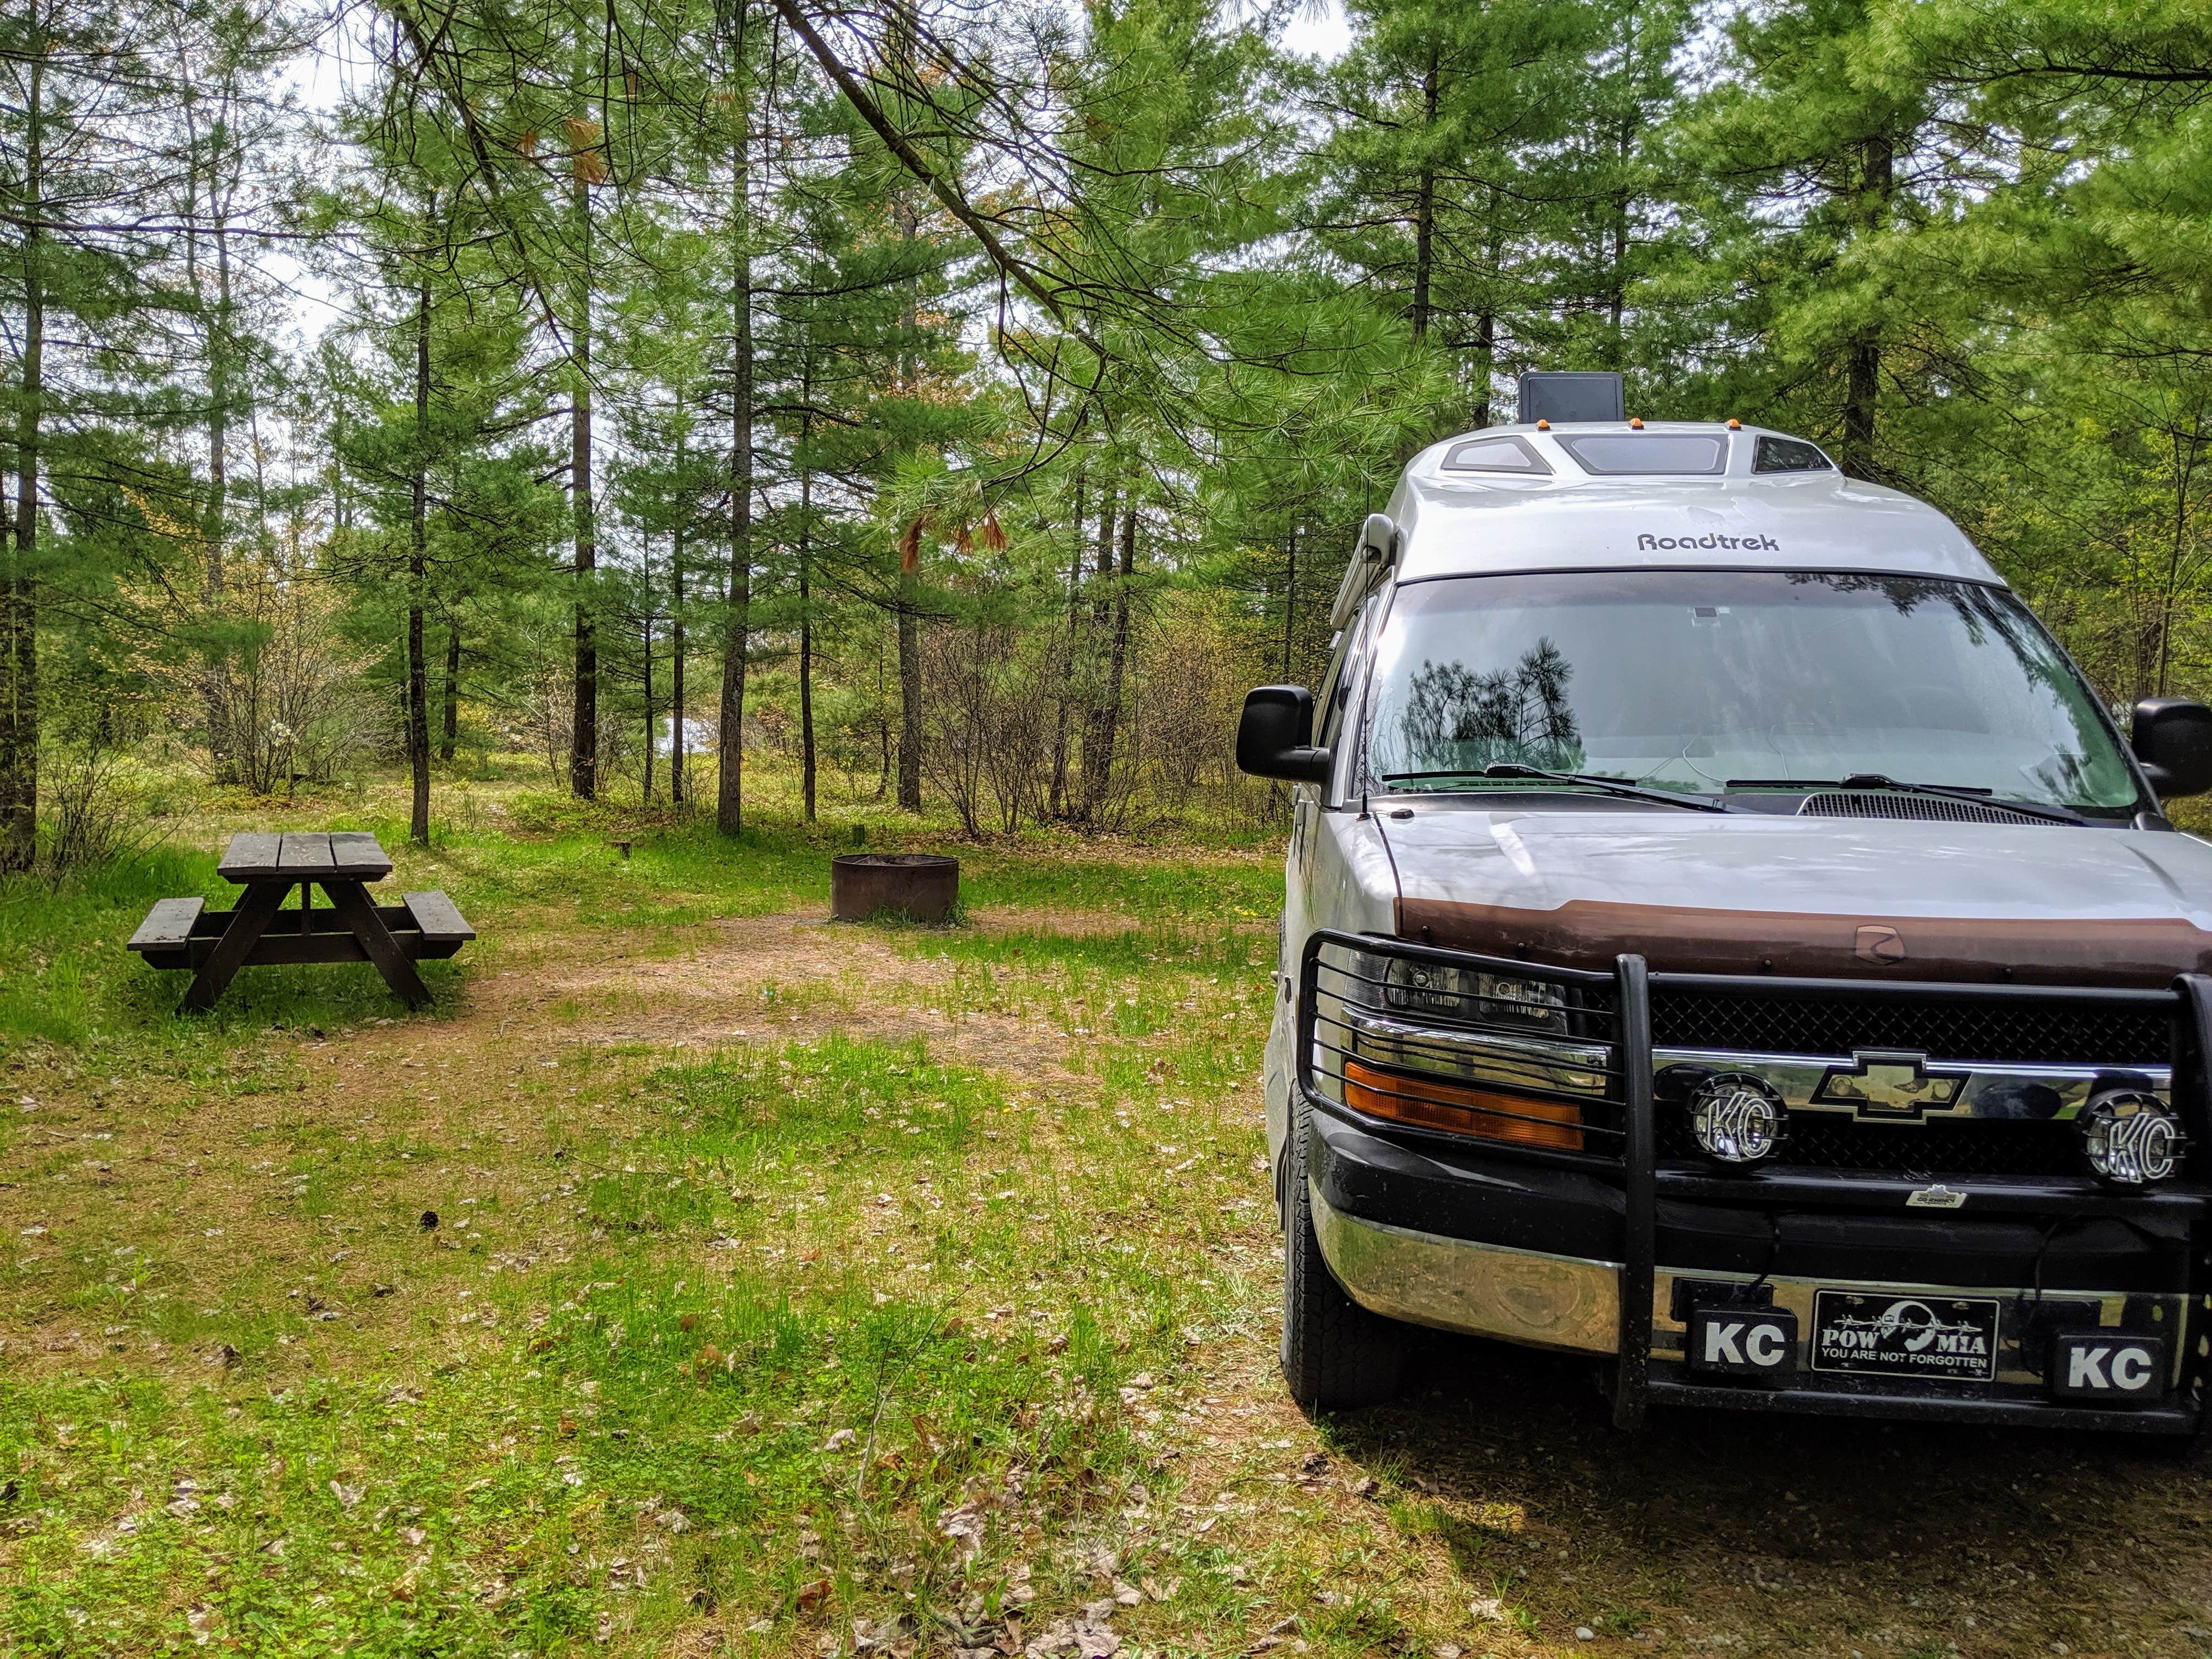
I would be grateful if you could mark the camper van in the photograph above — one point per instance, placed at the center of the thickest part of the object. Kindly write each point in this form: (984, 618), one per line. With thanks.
(1727, 939)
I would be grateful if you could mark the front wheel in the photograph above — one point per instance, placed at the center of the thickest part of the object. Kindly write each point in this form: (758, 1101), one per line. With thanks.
(1336, 1354)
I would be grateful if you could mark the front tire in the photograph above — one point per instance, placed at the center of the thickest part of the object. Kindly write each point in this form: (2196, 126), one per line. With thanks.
(1336, 1354)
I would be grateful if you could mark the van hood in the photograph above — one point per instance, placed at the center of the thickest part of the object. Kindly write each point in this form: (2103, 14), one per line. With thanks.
(1821, 898)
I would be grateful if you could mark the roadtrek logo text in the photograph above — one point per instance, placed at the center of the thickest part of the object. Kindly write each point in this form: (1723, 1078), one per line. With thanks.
(1734, 543)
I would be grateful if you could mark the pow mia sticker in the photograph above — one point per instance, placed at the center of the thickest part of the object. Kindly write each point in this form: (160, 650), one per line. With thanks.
(1934, 1338)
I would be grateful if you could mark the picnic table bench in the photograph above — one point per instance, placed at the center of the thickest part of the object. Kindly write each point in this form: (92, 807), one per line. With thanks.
(183, 932)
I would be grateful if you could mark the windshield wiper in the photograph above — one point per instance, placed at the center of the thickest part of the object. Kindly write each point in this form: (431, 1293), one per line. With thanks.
(1883, 780)
(1610, 786)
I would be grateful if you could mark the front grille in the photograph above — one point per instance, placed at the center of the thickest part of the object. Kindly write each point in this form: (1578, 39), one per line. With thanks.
(2052, 1032)
(1859, 804)
(2025, 1030)
(1980, 1147)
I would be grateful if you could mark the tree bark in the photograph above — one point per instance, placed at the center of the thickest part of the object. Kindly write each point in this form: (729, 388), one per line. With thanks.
(909, 673)
(1862, 357)
(909, 591)
(450, 738)
(805, 607)
(1097, 783)
(584, 726)
(647, 788)
(736, 636)
(19, 616)
(1424, 205)
(676, 661)
(418, 692)
(1486, 364)
(1056, 801)
(1094, 731)
(214, 528)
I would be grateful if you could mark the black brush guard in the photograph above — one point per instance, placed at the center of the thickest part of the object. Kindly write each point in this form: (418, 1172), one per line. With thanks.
(2187, 1003)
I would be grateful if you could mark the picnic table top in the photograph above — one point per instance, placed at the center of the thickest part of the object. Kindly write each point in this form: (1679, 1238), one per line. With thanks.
(339, 855)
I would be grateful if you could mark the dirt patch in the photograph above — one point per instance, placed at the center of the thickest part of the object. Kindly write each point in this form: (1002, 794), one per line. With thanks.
(999, 920)
(745, 979)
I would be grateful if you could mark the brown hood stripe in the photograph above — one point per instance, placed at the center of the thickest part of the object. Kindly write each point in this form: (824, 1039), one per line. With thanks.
(1588, 933)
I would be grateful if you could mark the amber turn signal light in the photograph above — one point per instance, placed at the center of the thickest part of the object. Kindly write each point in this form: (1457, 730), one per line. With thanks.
(1481, 1112)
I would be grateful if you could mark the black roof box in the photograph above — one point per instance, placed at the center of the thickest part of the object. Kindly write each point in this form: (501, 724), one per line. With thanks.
(1560, 395)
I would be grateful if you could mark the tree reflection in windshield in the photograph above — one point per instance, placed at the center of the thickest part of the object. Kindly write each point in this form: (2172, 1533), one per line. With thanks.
(1706, 680)
(1459, 721)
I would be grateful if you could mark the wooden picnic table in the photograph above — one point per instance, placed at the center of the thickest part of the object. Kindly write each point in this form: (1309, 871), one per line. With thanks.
(183, 932)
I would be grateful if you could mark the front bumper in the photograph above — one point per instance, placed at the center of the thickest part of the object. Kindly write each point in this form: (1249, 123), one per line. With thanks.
(1565, 1254)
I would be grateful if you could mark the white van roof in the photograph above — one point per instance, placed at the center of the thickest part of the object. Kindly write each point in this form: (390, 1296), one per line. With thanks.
(1562, 513)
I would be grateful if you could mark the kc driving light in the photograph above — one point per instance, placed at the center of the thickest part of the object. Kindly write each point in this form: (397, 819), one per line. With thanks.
(1735, 1118)
(2131, 1138)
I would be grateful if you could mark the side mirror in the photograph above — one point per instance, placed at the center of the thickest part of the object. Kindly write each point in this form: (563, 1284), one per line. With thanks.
(1273, 737)
(1376, 537)
(2172, 739)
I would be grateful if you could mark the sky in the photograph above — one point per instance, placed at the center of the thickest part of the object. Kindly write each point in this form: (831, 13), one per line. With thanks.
(1319, 30)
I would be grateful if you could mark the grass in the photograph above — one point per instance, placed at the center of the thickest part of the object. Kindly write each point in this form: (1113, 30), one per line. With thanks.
(692, 1279)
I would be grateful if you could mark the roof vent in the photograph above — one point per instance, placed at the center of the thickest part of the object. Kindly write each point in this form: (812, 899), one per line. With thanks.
(1774, 454)
(1874, 804)
(1558, 395)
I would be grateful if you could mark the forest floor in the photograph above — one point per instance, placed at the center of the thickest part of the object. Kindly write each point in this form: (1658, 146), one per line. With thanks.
(697, 1277)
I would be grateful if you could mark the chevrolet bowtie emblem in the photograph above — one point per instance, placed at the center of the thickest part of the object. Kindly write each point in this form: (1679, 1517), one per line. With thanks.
(1889, 1083)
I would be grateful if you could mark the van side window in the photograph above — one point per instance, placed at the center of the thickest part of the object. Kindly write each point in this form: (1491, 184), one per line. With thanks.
(1330, 684)
(1342, 675)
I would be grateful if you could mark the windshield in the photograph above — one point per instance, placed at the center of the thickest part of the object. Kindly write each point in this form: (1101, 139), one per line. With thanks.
(1708, 680)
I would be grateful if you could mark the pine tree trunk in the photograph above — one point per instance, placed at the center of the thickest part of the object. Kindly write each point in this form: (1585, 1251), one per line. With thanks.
(1425, 206)
(909, 594)
(729, 783)
(584, 726)
(214, 525)
(1118, 659)
(806, 610)
(1097, 726)
(1486, 364)
(450, 738)
(675, 665)
(19, 616)
(1056, 802)
(648, 794)
(418, 690)
(882, 727)
(910, 673)
(1862, 357)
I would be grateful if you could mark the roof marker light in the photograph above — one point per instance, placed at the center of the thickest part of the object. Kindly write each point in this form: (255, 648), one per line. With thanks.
(1734, 425)
(1543, 426)
(1636, 421)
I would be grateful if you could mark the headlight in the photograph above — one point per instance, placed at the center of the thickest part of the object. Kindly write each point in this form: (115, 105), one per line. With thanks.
(1426, 987)
(1736, 1118)
(2130, 1138)
(1496, 1056)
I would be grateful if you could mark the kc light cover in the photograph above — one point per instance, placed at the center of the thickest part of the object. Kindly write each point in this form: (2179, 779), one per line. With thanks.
(1736, 1118)
(2131, 1138)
